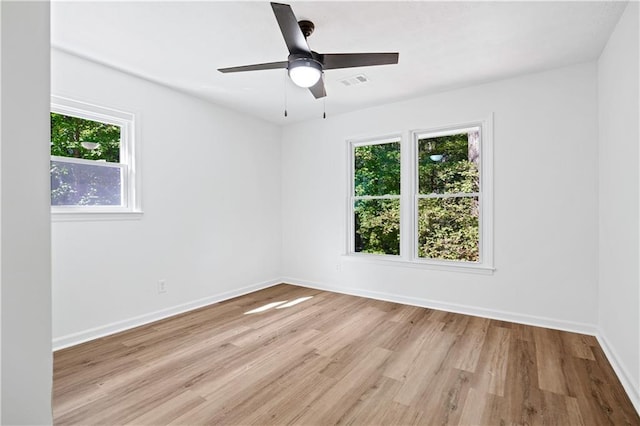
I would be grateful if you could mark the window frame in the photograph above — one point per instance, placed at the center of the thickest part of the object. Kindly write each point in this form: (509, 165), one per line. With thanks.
(409, 196)
(130, 183)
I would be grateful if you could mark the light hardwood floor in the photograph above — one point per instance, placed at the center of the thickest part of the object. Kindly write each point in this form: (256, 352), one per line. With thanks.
(336, 359)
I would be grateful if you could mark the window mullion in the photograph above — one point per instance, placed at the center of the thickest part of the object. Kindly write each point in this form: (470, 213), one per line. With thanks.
(376, 197)
(449, 195)
(73, 160)
(406, 204)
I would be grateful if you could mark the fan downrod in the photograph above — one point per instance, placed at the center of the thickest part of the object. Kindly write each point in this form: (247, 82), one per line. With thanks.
(307, 27)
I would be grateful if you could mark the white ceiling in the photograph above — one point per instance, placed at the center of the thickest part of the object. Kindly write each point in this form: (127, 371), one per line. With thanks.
(442, 45)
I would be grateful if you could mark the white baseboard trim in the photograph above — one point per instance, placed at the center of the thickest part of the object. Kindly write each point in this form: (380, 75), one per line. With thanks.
(118, 326)
(629, 384)
(537, 321)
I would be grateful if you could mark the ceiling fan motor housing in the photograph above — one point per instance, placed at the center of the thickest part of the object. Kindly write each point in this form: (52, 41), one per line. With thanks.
(313, 56)
(307, 27)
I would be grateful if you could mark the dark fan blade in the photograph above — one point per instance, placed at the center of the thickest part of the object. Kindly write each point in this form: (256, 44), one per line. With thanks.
(318, 89)
(256, 67)
(293, 37)
(349, 60)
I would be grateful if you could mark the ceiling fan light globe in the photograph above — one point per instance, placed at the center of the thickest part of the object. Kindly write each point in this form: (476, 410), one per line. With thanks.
(305, 72)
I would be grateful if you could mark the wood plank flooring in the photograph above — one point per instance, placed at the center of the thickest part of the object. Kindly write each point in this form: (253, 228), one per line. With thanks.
(274, 357)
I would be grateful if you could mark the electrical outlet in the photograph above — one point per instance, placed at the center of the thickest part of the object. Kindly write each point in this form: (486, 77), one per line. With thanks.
(162, 286)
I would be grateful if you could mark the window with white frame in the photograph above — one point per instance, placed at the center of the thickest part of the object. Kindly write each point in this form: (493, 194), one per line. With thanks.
(376, 197)
(445, 197)
(447, 200)
(92, 159)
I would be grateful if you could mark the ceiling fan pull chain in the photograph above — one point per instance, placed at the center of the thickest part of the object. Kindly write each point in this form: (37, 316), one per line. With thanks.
(324, 107)
(285, 94)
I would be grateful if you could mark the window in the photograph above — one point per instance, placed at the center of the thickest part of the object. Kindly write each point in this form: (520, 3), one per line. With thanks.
(376, 197)
(448, 195)
(439, 215)
(92, 159)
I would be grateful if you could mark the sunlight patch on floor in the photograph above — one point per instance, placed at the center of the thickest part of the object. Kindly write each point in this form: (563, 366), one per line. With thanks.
(278, 305)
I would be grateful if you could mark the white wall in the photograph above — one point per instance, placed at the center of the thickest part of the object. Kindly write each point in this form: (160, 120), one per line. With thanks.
(211, 201)
(25, 276)
(619, 136)
(545, 144)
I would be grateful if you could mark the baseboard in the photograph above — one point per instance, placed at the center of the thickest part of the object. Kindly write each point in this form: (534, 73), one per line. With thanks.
(537, 321)
(105, 330)
(116, 327)
(632, 388)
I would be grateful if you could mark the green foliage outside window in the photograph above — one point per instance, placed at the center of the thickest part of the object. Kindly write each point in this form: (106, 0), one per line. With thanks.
(68, 133)
(377, 169)
(74, 184)
(377, 221)
(448, 228)
(457, 170)
(377, 224)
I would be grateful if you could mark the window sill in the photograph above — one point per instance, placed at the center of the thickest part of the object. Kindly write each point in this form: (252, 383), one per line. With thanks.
(420, 264)
(91, 216)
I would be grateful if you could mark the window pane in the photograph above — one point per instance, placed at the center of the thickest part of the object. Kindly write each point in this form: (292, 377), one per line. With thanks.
(448, 228)
(84, 185)
(377, 169)
(449, 164)
(80, 138)
(377, 226)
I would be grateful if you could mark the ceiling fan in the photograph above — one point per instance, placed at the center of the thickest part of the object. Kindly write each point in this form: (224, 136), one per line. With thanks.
(305, 66)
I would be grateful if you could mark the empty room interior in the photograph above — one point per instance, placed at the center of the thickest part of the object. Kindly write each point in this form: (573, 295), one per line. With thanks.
(320, 213)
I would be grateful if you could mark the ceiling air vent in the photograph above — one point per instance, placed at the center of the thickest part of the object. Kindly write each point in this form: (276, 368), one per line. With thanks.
(354, 80)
